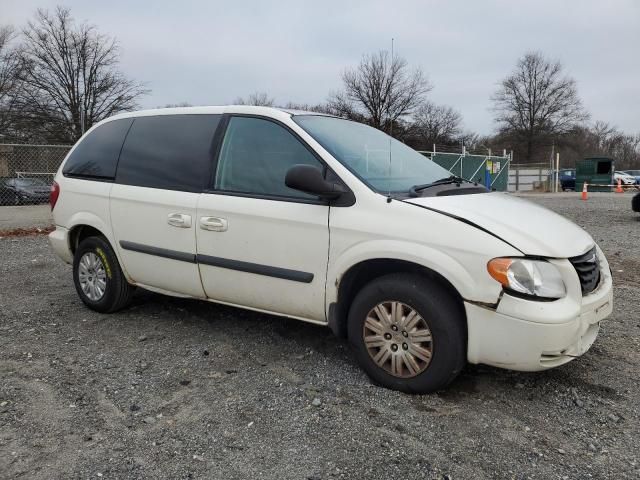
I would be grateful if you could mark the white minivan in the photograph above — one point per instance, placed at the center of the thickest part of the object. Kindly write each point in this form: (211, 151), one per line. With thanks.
(331, 222)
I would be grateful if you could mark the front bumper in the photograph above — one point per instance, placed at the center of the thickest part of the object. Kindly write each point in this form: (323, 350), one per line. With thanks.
(529, 335)
(59, 240)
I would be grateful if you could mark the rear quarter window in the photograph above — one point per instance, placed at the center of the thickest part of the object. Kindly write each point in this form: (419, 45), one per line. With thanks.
(172, 152)
(96, 156)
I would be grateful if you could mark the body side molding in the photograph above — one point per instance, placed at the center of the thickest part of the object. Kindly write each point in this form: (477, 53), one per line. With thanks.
(255, 268)
(158, 252)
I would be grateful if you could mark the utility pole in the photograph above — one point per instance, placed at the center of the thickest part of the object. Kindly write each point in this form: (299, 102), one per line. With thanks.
(551, 169)
(557, 171)
(391, 120)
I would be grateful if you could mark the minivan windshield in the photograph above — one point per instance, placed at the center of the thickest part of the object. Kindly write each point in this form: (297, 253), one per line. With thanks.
(365, 151)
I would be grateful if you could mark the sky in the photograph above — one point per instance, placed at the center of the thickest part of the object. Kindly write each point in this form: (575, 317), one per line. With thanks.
(211, 52)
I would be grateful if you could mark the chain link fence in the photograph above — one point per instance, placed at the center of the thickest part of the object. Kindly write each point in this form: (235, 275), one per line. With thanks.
(27, 171)
(530, 177)
(486, 169)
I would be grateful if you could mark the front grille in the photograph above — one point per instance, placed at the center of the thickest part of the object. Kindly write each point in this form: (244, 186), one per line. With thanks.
(588, 268)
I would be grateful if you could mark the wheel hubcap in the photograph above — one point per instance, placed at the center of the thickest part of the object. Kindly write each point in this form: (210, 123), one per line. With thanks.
(92, 276)
(398, 339)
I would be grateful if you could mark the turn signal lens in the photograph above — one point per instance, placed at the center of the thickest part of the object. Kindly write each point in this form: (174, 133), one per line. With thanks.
(499, 269)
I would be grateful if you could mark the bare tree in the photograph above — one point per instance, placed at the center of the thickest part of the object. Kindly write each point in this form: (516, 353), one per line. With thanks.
(260, 99)
(472, 141)
(341, 106)
(10, 67)
(602, 138)
(537, 101)
(380, 89)
(308, 107)
(71, 78)
(176, 105)
(438, 124)
(627, 152)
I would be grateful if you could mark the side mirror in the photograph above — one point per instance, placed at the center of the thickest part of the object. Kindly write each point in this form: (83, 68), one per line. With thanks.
(309, 179)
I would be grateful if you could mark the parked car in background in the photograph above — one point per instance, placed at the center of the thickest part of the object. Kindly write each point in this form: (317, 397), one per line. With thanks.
(634, 173)
(291, 213)
(568, 179)
(7, 196)
(624, 178)
(22, 191)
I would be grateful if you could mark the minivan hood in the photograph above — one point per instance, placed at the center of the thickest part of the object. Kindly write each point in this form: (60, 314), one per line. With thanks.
(532, 229)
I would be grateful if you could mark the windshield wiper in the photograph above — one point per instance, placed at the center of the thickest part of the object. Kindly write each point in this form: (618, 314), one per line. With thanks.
(413, 191)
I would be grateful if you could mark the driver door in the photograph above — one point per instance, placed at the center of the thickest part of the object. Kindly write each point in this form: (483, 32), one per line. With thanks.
(260, 244)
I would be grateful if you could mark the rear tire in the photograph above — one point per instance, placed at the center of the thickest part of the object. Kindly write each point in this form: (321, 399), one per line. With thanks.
(426, 323)
(98, 278)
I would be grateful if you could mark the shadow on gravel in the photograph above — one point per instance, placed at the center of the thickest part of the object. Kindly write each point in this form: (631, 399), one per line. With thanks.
(244, 325)
(252, 330)
(482, 381)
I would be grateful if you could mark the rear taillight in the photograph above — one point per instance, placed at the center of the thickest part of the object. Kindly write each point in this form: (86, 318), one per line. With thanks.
(54, 194)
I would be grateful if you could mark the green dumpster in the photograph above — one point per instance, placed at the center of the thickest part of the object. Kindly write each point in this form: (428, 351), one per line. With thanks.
(595, 171)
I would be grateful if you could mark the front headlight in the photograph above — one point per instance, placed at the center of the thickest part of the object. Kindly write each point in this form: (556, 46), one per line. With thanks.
(535, 278)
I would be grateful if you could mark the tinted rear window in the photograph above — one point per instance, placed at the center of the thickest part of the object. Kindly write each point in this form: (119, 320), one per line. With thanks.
(172, 152)
(96, 156)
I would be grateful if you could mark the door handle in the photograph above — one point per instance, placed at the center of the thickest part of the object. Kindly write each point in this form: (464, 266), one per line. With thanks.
(214, 224)
(179, 220)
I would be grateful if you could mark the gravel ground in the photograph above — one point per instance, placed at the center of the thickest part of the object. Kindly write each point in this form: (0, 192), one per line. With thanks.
(25, 216)
(173, 388)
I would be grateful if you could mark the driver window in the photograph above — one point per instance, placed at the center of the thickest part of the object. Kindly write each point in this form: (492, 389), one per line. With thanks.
(255, 157)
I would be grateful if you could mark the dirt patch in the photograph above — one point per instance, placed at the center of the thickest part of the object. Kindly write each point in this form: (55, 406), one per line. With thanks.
(26, 232)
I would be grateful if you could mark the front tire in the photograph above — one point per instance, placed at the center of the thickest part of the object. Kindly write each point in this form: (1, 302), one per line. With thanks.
(98, 278)
(408, 333)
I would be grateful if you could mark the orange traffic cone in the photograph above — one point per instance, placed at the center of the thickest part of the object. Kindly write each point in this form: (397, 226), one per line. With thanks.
(619, 187)
(584, 191)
